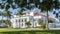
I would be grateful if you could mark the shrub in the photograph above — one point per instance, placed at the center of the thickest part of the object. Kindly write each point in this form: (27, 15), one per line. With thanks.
(43, 25)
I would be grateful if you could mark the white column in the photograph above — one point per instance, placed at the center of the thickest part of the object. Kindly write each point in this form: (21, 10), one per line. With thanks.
(14, 23)
(24, 23)
(17, 23)
(20, 23)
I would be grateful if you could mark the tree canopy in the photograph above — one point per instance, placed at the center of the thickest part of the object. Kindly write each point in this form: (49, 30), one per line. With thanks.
(6, 4)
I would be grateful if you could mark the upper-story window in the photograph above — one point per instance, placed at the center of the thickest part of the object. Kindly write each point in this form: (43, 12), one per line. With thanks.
(22, 20)
(19, 20)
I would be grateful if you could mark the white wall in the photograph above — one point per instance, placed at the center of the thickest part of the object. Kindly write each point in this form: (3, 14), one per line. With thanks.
(28, 18)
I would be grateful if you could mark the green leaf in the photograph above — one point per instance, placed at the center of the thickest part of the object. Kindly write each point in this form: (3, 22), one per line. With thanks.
(7, 7)
(2, 6)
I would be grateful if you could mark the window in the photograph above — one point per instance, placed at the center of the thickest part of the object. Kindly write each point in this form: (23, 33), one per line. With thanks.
(25, 20)
(16, 21)
(22, 24)
(22, 20)
(19, 20)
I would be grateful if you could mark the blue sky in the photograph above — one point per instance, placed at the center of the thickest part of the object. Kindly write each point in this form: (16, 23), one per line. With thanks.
(15, 10)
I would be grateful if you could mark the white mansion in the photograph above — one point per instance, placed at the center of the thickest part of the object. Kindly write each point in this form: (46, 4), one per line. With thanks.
(19, 21)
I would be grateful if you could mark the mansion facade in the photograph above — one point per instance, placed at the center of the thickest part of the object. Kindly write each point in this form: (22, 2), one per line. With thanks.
(19, 21)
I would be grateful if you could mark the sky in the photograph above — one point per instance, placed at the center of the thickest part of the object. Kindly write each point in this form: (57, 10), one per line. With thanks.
(36, 9)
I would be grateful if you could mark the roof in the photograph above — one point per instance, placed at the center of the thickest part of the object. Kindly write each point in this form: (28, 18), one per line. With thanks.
(37, 14)
(50, 18)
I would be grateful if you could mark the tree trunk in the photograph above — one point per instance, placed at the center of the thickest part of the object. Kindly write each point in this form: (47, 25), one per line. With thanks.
(47, 24)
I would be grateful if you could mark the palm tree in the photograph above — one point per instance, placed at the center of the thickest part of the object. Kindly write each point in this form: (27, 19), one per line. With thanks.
(8, 15)
(46, 6)
(19, 12)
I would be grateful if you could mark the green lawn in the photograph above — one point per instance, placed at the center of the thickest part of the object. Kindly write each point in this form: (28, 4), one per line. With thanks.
(27, 31)
(12, 29)
(8, 29)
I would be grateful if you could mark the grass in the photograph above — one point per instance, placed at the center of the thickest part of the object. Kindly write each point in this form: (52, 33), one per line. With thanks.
(11, 29)
(27, 31)
(8, 29)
